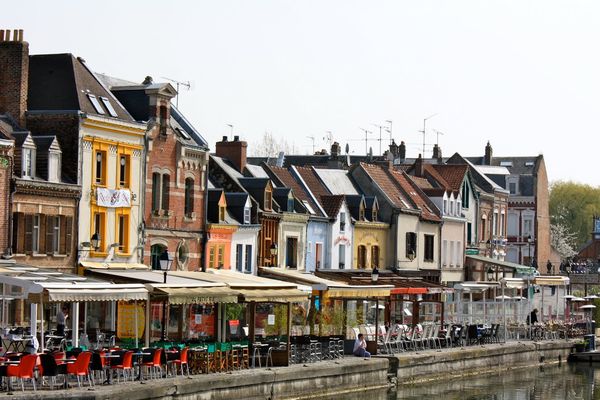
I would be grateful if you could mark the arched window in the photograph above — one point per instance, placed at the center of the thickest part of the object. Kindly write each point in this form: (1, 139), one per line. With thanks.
(155, 191)
(155, 252)
(189, 196)
(374, 256)
(362, 257)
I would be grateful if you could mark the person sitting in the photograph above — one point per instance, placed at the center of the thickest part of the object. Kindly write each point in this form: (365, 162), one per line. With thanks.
(360, 347)
(532, 318)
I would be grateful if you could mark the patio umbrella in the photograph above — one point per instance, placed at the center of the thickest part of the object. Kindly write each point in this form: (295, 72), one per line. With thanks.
(591, 297)
(503, 297)
(568, 296)
(577, 299)
(587, 307)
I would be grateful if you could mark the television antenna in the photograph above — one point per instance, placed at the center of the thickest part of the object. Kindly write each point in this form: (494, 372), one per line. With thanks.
(380, 129)
(388, 129)
(438, 133)
(186, 84)
(313, 143)
(367, 132)
(230, 129)
(424, 131)
(328, 138)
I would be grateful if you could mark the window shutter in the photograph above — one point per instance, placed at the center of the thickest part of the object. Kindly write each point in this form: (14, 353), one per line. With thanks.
(47, 233)
(68, 235)
(62, 245)
(18, 233)
(28, 241)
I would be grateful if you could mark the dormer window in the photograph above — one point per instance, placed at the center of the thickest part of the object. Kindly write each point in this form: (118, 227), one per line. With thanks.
(361, 213)
(54, 167)
(221, 213)
(268, 198)
(458, 208)
(342, 222)
(445, 206)
(374, 216)
(290, 204)
(247, 215)
(28, 163)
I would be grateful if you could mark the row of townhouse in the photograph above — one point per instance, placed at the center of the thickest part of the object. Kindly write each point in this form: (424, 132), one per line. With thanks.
(99, 172)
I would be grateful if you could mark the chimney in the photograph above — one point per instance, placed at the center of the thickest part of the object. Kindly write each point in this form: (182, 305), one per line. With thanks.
(394, 148)
(419, 168)
(234, 151)
(437, 153)
(402, 151)
(159, 106)
(336, 150)
(487, 160)
(14, 74)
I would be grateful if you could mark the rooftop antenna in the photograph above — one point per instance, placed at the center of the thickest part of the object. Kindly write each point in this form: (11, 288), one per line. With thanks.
(380, 128)
(388, 129)
(328, 138)
(367, 132)
(313, 143)
(438, 133)
(186, 84)
(230, 129)
(424, 131)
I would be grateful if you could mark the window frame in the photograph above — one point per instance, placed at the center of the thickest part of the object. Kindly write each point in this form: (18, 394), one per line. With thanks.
(100, 169)
(342, 221)
(429, 247)
(122, 225)
(189, 197)
(124, 181)
(411, 244)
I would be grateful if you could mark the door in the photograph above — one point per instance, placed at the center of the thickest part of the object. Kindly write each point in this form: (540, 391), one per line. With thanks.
(318, 255)
(291, 253)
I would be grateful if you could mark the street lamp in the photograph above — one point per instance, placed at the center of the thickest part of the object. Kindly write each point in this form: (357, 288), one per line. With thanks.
(375, 274)
(165, 262)
(529, 241)
(273, 250)
(95, 241)
(490, 274)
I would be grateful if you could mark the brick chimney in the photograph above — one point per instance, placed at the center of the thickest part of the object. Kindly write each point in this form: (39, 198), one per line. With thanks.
(419, 168)
(487, 160)
(402, 151)
(336, 150)
(14, 74)
(437, 153)
(234, 151)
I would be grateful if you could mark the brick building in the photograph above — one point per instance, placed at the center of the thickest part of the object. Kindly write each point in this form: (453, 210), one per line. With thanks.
(175, 169)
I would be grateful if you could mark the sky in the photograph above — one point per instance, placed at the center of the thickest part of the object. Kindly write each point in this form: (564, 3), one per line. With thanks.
(521, 74)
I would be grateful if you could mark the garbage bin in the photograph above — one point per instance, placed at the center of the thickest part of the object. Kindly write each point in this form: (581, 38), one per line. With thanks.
(590, 342)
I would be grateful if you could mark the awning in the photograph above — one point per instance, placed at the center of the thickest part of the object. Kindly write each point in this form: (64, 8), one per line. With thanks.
(71, 295)
(200, 295)
(551, 280)
(409, 290)
(358, 292)
(472, 287)
(273, 295)
(517, 268)
(513, 283)
(112, 265)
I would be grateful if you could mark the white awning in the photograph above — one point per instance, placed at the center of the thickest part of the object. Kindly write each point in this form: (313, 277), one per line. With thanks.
(200, 295)
(551, 280)
(116, 294)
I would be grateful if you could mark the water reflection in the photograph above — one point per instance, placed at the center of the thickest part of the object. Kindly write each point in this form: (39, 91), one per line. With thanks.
(566, 382)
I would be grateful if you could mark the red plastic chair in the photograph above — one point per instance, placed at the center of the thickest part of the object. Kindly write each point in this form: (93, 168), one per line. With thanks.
(59, 357)
(183, 360)
(81, 367)
(126, 366)
(154, 366)
(23, 371)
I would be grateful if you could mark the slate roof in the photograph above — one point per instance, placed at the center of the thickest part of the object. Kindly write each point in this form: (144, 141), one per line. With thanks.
(337, 181)
(483, 182)
(332, 204)
(283, 177)
(62, 82)
(43, 143)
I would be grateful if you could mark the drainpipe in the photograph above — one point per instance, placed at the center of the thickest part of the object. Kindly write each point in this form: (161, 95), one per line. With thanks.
(205, 206)
(144, 175)
(10, 176)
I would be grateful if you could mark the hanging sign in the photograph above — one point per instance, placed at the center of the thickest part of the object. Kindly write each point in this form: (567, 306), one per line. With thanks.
(113, 198)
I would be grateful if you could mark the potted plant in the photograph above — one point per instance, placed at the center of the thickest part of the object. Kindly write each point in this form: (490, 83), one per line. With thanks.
(580, 346)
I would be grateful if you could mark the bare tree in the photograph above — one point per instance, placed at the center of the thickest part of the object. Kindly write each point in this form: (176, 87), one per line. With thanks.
(270, 146)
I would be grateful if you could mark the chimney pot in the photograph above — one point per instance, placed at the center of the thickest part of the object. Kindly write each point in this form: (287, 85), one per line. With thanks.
(224, 139)
(1, 35)
(236, 138)
(15, 35)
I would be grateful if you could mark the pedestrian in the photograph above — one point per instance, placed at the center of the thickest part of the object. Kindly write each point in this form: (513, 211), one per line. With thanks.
(549, 267)
(61, 319)
(360, 347)
(532, 318)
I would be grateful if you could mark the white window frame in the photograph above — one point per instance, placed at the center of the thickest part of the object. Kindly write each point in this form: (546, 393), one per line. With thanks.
(35, 234)
(55, 234)
(247, 215)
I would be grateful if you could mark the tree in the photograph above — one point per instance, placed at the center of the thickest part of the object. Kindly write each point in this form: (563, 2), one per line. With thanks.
(270, 146)
(562, 240)
(573, 205)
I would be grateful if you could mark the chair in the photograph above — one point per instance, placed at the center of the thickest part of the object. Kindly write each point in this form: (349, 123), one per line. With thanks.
(24, 370)
(154, 366)
(98, 364)
(126, 366)
(81, 367)
(473, 336)
(50, 369)
(183, 360)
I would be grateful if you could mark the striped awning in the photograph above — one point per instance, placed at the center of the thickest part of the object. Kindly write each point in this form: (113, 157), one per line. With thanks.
(551, 280)
(199, 295)
(273, 295)
(358, 292)
(91, 294)
(410, 290)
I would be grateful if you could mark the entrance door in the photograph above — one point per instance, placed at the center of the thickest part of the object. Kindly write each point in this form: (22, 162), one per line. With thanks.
(291, 253)
(318, 255)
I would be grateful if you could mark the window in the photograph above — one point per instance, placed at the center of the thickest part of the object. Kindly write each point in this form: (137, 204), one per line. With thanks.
(452, 256)
(527, 227)
(458, 208)
(290, 204)
(374, 214)
(308, 207)
(211, 257)
(465, 195)
(182, 254)
(495, 223)
(35, 234)
(512, 187)
(444, 252)
(239, 249)
(445, 206)
(155, 191)
(54, 223)
(108, 106)
(96, 104)
(221, 213)
(291, 253)
(268, 198)
(374, 256)
(342, 255)
(469, 233)
(220, 256)
(428, 254)
(155, 253)
(123, 232)
(100, 167)
(189, 197)
(342, 222)
(247, 215)
(362, 257)
(451, 207)
(165, 192)
(28, 163)
(54, 167)
(502, 219)
(361, 213)
(411, 245)
(248, 258)
(124, 170)
(99, 228)
(459, 257)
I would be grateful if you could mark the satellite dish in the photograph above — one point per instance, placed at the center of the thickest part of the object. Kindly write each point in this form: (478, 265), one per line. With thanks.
(347, 148)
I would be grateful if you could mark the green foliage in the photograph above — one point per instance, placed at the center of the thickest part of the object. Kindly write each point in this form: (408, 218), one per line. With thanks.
(234, 311)
(574, 205)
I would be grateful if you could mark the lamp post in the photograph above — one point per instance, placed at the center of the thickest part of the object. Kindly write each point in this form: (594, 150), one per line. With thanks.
(273, 250)
(490, 274)
(529, 241)
(375, 274)
(165, 261)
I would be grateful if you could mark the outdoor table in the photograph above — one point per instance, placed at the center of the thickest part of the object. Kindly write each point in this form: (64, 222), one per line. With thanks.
(109, 358)
(140, 355)
(256, 352)
(18, 345)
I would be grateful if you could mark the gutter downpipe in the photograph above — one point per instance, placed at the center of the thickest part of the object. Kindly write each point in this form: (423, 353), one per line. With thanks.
(205, 206)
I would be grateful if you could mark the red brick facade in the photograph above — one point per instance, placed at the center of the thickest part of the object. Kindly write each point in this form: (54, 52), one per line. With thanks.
(14, 74)
(171, 168)
(6, 160)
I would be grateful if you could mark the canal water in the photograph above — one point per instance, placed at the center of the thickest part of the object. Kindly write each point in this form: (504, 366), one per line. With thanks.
(564, 382)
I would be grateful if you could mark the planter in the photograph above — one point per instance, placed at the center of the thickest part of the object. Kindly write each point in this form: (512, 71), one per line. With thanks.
(579, 347)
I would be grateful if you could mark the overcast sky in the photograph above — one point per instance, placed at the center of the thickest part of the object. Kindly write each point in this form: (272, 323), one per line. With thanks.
(522, 74)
